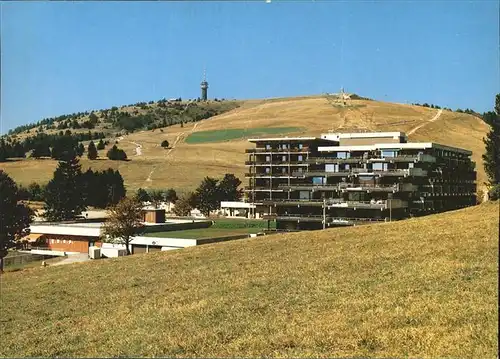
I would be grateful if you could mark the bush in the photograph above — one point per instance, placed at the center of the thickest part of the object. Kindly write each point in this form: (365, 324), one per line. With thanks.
(164, 143)
(494, 193)
(116, 154)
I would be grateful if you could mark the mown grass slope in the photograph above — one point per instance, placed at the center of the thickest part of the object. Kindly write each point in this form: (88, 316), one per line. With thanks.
(184, 166)
(424, 287)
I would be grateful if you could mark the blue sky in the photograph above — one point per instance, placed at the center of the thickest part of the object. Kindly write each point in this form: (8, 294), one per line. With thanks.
(65, 57)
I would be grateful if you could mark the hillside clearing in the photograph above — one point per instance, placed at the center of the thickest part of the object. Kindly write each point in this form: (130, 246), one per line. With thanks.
(425, 287)
(237, 133)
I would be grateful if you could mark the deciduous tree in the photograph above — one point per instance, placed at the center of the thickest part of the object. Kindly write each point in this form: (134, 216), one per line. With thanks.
(184, 205)
(207, 195)
(124, 222)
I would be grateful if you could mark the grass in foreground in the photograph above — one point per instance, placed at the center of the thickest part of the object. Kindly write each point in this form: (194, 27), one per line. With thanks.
(425, 287)
(236, 133)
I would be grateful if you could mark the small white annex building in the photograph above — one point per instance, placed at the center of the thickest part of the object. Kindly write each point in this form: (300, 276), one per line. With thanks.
(237, 209)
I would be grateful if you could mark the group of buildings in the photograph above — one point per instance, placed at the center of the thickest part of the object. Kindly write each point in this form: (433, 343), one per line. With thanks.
(81, 235)
(343, 179)
(307, 183)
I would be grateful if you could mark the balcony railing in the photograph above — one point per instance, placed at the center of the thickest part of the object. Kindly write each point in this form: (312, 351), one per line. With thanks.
(329, 219)
(277, 150)
(373, 204)
(278, 175)
(276, 163)
(319, 160)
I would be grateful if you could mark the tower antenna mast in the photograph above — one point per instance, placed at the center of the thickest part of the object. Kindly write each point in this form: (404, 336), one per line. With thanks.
(204, 85)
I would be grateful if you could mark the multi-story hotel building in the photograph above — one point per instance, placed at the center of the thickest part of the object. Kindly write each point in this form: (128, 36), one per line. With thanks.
(353, 178)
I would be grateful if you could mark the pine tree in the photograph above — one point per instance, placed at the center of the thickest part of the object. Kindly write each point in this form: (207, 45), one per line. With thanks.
(14, 216)
(100, 145)
(491, 157)
(64, 195)
(91, 151)
(142, 195)
(80, 150)
(3, 151)
(228, 188)
(115, 187)
(41, 149)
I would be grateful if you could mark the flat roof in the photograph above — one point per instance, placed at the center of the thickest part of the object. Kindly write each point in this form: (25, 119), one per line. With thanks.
(68, 229)
(92, 229)
(409, 145)
(364, 134)
(282, 138)
(288, 139)
(236, 204)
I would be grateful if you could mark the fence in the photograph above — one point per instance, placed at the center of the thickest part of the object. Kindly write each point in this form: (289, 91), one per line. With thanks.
(17, 259)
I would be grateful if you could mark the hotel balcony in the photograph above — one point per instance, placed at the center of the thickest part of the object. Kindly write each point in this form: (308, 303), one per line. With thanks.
(276, 163)
(351, 187)
(277, 150)
(338, 203)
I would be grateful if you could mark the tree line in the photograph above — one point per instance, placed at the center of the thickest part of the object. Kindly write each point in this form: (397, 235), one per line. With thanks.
(44, 145)
(209, 194)
(57, 146)
(166, 113)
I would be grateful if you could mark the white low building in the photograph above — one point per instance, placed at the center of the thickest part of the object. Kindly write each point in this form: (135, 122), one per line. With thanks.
(237, 209)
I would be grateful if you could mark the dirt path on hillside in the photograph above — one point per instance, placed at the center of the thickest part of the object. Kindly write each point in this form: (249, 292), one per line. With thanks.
(138, 146)
(180, 136)
(413, 130)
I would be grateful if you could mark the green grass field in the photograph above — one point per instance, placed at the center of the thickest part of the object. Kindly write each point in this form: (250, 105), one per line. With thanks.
(425, 287)
(237, 133)
(220, 228)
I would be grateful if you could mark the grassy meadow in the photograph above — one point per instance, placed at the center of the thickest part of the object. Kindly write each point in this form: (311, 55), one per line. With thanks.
(237, 133)
(425, 287)
(221, 228)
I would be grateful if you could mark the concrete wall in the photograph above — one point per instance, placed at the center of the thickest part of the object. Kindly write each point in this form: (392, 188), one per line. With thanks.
(177, 226)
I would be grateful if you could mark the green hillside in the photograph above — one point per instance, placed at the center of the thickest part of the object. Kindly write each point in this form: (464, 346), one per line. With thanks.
(424, 287)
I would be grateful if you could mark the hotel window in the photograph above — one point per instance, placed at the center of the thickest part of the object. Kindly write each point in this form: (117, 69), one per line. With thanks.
(64, 241)
(300, 146)
(284, 147)
(268, 170)
(57, 240)
(283, 170)
(389, 153)
(283, 158)
(70, 241)
(300, 158)
(343, 155)
(331, 168)
(318, 180)
(378, 166)
(268, 158)
(300, 169)
(347, 167)
(268, 147)
(410, 165)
